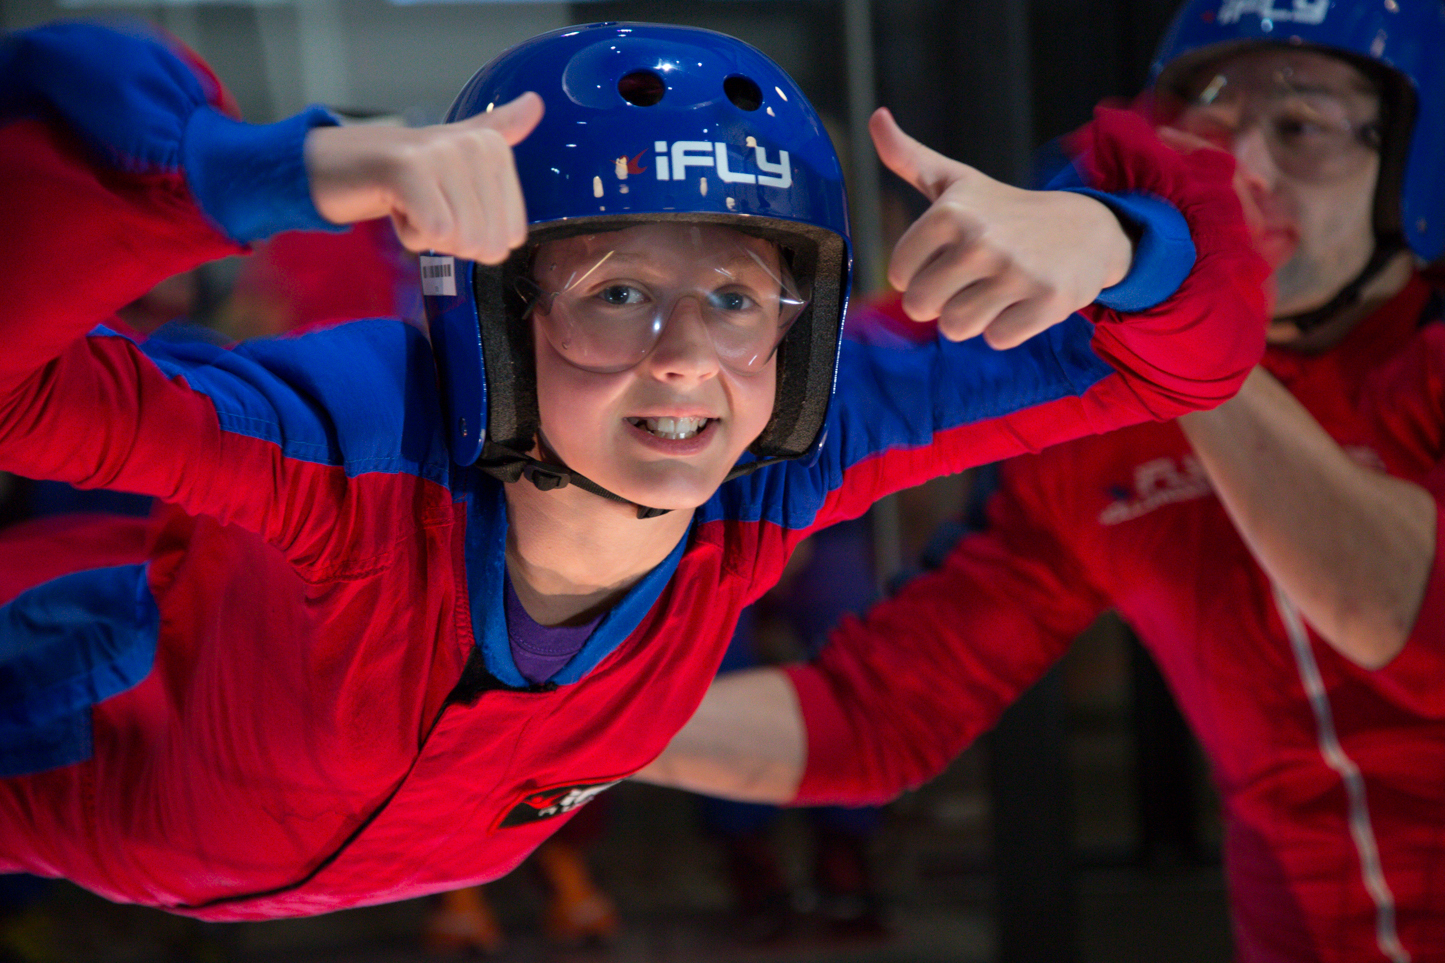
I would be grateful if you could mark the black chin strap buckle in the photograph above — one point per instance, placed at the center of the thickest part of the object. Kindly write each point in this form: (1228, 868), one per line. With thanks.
(546, 479)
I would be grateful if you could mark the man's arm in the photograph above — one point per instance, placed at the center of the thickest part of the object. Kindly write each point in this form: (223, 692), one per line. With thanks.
(746, 741)
(1352, 547)
(895, 695)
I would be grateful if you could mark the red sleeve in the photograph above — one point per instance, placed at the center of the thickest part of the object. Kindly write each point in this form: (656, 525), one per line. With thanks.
(1219, 312)
(1416, 677)
(901, 422)
(894, 697)
(60, 544)
(1191, 350)
(97, 211)
(91, 224)
(1407, 404)
(80, 242)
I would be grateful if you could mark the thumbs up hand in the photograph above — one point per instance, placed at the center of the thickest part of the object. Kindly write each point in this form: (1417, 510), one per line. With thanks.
(987, 258)
(451, 188)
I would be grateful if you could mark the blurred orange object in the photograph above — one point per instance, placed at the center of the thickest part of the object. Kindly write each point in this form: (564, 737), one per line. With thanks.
(463, 922)
(578, 912)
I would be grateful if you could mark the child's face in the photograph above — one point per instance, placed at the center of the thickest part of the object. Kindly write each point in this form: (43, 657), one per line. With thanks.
(655, 361)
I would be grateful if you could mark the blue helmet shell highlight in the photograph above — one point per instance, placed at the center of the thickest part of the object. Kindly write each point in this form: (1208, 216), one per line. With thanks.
(764, 162)
(1404, 36)
(593, 143)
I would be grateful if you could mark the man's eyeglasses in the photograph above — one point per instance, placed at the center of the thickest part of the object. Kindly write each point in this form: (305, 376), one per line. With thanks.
(1313, 134)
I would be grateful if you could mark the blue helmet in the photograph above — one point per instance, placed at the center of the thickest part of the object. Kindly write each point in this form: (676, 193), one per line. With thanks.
(644, 123)
(1398, 43)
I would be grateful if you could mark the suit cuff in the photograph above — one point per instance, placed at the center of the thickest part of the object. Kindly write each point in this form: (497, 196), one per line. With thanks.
(250, 179)
(1163, 251)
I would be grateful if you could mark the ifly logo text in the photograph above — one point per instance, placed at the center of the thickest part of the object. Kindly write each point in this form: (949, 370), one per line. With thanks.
(1298, 11)
(674, 159)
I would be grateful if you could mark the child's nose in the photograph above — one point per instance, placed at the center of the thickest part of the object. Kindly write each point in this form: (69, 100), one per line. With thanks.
(684, 349)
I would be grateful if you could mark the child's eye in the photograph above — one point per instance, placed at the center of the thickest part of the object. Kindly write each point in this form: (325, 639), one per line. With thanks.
(620, 295)
(733, 301)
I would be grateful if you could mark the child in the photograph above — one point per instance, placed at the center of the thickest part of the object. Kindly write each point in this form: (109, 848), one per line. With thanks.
(361, 658)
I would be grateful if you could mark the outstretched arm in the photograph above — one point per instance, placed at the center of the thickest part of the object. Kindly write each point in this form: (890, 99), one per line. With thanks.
(1351, 546)
(895, 695)
(1179, 333)
(451, 187)
(118, 169)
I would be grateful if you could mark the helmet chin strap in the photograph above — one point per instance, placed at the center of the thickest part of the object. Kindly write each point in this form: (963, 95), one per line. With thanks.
(1349, 295)
(509, 465)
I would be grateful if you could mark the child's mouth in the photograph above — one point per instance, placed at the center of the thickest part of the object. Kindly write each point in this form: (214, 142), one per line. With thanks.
(672, 429)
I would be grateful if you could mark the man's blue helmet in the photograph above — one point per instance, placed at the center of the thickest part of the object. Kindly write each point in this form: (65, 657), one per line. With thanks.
(1400, 44)
(644, 123)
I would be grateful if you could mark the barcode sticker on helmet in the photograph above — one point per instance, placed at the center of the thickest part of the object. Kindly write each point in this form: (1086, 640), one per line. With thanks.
(438, 276)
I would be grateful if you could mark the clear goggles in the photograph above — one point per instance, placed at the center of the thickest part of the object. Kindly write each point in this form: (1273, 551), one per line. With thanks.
(604, 300)
(1313, 134)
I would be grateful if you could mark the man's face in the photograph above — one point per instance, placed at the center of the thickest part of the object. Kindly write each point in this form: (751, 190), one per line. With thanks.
(1304, 128)
(666, 428)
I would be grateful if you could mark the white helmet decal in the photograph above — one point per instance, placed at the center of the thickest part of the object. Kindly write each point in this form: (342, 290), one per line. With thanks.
(1298, 11)
(674, 160)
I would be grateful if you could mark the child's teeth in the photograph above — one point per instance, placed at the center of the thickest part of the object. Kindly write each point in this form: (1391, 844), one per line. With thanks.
(674, 429)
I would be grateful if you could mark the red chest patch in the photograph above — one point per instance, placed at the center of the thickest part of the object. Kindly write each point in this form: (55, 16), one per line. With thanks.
(557, 801)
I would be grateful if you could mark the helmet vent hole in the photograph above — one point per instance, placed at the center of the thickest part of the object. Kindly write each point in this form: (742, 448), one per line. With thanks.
(743, 92)
(641, 87)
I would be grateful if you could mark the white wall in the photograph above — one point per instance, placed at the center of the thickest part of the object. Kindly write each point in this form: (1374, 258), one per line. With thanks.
(277, 56)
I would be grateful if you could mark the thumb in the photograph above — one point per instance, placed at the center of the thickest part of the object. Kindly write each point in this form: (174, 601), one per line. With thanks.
(514, 120)
(926, 169)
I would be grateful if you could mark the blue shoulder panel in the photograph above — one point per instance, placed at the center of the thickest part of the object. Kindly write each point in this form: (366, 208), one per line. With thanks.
(361, 395)
(900, 397)
(66, 645)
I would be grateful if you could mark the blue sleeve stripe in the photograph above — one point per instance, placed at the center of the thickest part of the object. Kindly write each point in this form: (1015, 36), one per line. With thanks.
(360, 396)
(1066, 174)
